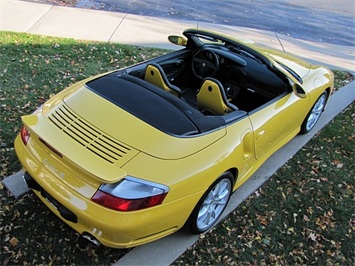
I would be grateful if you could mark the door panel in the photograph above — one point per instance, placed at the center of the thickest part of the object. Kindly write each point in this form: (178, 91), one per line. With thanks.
(276, 120)
(172, 68)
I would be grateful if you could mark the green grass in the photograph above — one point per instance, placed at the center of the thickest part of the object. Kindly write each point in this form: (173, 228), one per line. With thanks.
(303, 215)
(31, 69)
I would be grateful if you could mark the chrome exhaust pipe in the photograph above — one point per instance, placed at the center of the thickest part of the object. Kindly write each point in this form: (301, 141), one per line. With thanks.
(91, 239)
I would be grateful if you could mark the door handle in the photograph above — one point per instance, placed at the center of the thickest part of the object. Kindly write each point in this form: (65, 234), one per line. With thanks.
(260, 134)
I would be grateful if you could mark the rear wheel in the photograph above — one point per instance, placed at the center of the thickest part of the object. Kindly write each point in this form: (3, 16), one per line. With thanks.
(212, 204)
(315, 113)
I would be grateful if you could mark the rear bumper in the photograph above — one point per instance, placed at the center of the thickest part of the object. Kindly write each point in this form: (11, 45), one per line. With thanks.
(64, 212)
(111, 228)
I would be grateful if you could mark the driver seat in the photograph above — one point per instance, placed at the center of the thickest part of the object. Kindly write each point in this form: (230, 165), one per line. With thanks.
(154, 74)
(211, 98)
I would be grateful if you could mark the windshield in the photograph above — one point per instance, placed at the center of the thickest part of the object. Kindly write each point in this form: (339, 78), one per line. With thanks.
(293, 73)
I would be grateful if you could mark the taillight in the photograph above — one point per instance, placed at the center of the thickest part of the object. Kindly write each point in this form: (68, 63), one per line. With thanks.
(25, 135)
(130, 194)
(120, 204)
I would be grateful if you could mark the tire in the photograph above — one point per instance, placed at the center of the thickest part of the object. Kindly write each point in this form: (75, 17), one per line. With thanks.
(314, 114)
(212, 204)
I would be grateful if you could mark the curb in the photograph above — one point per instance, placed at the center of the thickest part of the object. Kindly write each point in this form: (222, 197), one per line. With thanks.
(166, 250)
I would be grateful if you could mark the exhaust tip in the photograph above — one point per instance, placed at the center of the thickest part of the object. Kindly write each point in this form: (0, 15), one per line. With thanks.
(91, 239)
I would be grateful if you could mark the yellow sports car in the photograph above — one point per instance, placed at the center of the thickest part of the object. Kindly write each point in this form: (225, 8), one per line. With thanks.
(133, 155)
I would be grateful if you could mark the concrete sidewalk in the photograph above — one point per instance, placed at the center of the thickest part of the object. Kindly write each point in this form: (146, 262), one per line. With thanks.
(105, 26)
(84, 24)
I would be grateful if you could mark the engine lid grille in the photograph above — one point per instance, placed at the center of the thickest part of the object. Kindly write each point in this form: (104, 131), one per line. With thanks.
(92, 138)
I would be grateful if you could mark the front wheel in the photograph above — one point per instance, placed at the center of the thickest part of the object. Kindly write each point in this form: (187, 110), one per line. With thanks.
(212, 204)
(315, 113)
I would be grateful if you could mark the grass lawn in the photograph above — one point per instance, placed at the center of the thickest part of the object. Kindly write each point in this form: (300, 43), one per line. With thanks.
(304, 215)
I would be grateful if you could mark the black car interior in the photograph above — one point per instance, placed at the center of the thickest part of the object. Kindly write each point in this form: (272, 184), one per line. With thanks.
(238, 79)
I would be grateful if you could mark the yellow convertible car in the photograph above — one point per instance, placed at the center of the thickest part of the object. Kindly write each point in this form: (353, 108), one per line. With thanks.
(133, 155)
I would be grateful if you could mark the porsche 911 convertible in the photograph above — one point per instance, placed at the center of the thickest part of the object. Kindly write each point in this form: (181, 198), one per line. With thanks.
(133, 155)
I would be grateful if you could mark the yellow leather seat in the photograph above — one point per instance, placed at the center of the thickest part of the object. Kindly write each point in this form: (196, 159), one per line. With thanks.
(155, 74)
(212, 99)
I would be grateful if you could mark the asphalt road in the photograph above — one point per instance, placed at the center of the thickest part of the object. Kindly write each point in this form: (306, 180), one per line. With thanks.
(330, 21)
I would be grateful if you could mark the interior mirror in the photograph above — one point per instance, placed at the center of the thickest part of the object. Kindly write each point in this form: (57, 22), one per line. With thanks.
(178, 40)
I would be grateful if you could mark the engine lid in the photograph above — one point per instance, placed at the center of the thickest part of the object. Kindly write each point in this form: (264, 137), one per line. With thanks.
(130, 131)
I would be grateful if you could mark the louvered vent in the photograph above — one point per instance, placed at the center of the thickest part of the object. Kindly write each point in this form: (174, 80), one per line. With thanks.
(87, 135)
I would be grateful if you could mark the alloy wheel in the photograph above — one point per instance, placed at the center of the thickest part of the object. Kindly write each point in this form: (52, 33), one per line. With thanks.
(214, 204)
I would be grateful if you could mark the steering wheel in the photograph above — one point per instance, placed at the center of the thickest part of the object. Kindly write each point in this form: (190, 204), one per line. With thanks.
(204, 63)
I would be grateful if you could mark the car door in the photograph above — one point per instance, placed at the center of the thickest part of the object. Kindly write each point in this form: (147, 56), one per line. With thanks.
(173, 64)
(276, 122)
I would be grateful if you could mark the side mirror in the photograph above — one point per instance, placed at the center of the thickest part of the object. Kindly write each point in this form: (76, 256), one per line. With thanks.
(299, 91)
(178, 40)
(297, 88)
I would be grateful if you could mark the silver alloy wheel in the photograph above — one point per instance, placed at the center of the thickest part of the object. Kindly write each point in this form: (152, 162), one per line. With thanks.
(316, 112)
(214, 204)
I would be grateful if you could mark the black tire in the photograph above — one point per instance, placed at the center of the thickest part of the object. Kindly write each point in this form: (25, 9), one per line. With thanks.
(314, 114)
(212, 204)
